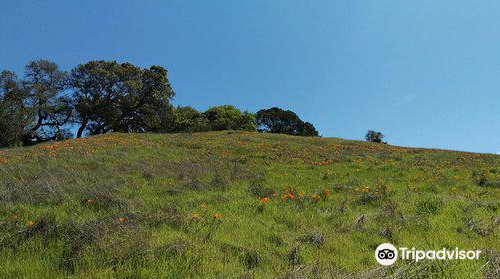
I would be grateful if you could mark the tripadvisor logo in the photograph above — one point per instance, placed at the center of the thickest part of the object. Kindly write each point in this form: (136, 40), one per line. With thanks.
(387, 254)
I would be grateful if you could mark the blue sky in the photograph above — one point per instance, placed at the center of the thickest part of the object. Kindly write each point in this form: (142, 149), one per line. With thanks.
(425, 73)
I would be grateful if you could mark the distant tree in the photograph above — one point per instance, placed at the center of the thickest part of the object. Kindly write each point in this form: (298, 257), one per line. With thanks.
(150, 109)
(121, 97)
(246, 122)
(276, 120)
(309, 130)
(35, 108)
(228, 117)
(96, 88)
(14, 114)
(51, 107)
(188, 119)
(104, 96)
(373, 136)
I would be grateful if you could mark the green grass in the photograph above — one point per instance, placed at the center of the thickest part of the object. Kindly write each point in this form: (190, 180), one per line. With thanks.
(76, 191)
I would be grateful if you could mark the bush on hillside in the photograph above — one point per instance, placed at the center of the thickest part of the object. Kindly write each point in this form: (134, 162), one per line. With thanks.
(228, 117)
(373, 136)
(276, 120)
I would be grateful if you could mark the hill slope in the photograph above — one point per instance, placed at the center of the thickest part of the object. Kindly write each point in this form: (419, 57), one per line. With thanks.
(191, 205)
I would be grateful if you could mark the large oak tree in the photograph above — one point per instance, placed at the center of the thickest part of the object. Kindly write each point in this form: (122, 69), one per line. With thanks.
(121, 97)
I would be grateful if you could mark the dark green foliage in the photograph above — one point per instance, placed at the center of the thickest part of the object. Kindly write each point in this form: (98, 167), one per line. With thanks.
(188, 119)
(121, 97)
(12, 109)
(105, 96)
(34, 109)
(228, 117)
(50, 107)
(309, 130)
(373, 136)
(276, 120)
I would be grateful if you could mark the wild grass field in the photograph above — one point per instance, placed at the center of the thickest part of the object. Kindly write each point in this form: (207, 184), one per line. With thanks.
(242, 205)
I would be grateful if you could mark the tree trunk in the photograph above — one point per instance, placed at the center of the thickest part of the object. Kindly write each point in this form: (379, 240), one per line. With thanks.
(81, 129)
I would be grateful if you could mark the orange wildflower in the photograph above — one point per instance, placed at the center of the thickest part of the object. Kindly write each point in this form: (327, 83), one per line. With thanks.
(327, 193)
(31, 223)
(122, 219)
(265, 200)
(217, 216)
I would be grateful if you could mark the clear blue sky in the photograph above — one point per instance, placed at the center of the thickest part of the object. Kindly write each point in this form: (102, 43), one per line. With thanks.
(425, 73)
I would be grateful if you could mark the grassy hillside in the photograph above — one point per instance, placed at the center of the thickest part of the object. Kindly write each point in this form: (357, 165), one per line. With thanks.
(191, 206)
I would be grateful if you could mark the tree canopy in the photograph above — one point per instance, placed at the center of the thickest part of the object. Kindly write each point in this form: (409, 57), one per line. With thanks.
(373, 136)
(120, 97)
(35, 108)
(228, 117)
(47, 104)
(276, 120)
